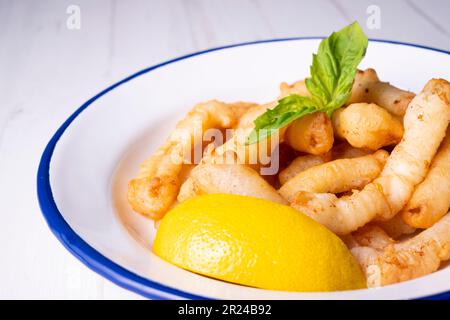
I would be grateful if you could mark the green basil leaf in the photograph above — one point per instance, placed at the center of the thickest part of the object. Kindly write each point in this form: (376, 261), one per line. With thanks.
(333, 71)
(334, 67)
(287, 110)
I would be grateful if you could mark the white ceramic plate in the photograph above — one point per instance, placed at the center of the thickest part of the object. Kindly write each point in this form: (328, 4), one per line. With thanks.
(85, 168)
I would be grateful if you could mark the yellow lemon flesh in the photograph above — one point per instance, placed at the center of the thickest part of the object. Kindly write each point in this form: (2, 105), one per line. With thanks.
(256, 243)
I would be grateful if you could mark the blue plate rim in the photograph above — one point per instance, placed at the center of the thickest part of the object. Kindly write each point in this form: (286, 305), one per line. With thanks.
(94, 259)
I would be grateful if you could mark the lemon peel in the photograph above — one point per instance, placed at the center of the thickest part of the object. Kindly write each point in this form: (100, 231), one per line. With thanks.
(256, 243)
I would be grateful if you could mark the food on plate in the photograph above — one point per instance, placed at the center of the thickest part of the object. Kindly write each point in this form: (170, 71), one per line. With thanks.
(368, 88)
(298, 87)
(336, 176)
(281, 191)
(229, 179)
(300, 164)
(156, 187)
(236, 147)
(256, 243)
(425, 121)
(388, 262)
(154, 190)
(431, 199)
(367, 126)
(333, 71)
(312, 134)
(371, 236)
(396, 227)
(345, 151)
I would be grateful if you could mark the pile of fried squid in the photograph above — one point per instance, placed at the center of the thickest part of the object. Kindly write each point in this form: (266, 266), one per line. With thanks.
(377, 173)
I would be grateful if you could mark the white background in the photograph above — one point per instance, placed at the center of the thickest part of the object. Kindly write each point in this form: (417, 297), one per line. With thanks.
(48, 70)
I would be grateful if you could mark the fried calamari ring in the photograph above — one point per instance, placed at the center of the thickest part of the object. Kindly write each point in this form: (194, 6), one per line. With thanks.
(312, 134)
(236, 179)
(372, 236)
(431, 199)
(425, 123)
(336, 176)
(300, 164)
(155, 188)
(237, 148)
(366, 125)
(396, 227)
(346, 151)
(410, 259)
(368, 88)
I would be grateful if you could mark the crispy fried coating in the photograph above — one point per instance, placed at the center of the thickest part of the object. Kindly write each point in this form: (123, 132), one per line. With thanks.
(312, 134)
(298, 87)
(153, 191)
(368, 88)
(396, 227)
(421, 255)
(300, 164)
(237, 179)
(345, 151)
(249, 116)
(236, 149)
(345, 214)
(425, 126)
(425, 123)
(431, 199)
(372, 236)
(336, 176)
(240, 108)
(155, 188)
(366, 125)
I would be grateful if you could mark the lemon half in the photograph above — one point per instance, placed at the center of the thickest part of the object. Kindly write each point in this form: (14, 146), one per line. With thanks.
(256, 243)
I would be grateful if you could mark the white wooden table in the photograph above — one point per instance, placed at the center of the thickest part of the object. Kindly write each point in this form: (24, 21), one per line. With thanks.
(48, 69)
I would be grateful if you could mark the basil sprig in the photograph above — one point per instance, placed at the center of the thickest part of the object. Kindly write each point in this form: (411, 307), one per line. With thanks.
(332, 71)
